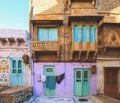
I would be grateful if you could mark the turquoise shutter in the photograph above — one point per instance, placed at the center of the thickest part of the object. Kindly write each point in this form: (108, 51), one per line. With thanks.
(43, 34)
(53, 34)
(84, 33)
(92, 33)
(76, 34)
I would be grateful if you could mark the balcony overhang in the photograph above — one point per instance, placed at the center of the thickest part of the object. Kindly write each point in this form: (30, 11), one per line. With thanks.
(59, 22)
(47, 19)
(85, 18)
(109, 20)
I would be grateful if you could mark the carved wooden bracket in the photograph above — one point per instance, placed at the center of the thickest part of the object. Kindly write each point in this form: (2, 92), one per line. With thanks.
(79, 55)
(87, 54)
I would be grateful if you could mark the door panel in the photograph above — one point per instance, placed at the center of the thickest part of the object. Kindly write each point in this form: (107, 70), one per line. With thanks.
(16, 70)
(78, 82)
(81, 82)
(86, 82)
(111, 81)
(49, 71)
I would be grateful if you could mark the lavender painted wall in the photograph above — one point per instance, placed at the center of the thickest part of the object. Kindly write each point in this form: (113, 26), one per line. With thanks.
(66, 87)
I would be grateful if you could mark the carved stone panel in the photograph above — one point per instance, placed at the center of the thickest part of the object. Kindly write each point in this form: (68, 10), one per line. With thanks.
(109, 5)
(113, 39)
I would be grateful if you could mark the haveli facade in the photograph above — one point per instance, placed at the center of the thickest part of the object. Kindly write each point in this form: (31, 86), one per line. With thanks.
(74, 41)
(13, 45)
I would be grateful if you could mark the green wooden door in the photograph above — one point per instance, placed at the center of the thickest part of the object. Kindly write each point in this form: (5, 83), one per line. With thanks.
(86, 82)
(78, 82)
(81, 82)
(49, 71)
(16, 72)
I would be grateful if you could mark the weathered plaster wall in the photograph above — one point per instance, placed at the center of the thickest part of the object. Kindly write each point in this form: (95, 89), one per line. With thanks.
(4, 71)
(66, 87)
(27, 75)
(100, 72)
(13, 44)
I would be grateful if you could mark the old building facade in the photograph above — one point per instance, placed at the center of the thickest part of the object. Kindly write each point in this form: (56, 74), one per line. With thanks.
(108, 58)
(14, 44)
(67, 36)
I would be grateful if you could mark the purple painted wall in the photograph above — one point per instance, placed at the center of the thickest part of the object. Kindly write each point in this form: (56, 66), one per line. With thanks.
(66, 87)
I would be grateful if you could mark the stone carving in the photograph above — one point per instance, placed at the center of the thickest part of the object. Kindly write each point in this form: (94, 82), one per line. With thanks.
(113, 39)
(108, 5)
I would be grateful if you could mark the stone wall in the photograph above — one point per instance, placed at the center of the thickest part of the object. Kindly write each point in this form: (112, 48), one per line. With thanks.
(108, 5)
(100, 72)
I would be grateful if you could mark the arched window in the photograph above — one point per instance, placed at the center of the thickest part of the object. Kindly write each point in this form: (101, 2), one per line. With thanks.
(14, 64)
(84, 33)
(76, 34)
(92, 33)
(19, 64)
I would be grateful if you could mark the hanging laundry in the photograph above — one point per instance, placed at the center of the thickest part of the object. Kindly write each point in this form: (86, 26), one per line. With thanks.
(51, 82)
(60, 78)
(43, 78)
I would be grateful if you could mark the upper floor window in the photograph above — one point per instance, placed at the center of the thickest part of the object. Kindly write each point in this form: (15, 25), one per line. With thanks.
(76, 34)
(92, 33)
(84, 33)
(47, 34)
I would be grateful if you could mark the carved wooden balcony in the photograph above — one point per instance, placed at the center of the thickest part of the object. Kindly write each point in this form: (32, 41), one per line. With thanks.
(45, 46)
(85, 51)
(88, 46)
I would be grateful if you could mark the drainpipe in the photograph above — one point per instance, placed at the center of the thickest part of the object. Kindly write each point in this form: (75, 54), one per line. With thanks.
(31, 29)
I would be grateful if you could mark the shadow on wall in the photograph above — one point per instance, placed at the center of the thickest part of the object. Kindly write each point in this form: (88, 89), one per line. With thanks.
(48, 7)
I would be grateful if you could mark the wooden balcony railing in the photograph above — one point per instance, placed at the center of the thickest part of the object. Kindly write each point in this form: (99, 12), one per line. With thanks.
(45, 46)
(88, 46)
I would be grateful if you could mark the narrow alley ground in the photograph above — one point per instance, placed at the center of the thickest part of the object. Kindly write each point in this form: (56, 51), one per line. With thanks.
(57, 100)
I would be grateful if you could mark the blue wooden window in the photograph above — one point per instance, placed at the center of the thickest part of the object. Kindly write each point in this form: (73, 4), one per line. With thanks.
(76, 34)
(14, 64)
(92, 33)
(47, 34)
(19, 64)
(84, 33)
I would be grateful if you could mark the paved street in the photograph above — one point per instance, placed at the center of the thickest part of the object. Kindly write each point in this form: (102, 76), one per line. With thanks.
(56, 100)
